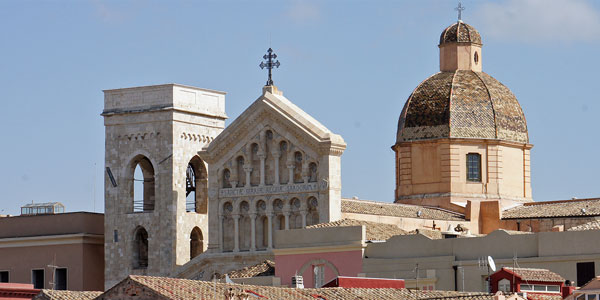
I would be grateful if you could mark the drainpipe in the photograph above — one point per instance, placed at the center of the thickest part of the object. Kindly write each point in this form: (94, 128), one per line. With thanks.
(455, 277)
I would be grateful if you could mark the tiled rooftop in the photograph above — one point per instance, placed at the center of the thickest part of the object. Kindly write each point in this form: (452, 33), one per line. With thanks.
(265, 268)
(550, 209)
(397, 210)
(171, 288)
(66, 295)
(593, 225)
(530, 274)
(374, 231)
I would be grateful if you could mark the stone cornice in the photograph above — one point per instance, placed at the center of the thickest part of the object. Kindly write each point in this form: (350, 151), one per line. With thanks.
(465, 141)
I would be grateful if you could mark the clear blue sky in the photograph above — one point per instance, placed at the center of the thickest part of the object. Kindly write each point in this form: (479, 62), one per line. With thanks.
(350, 64)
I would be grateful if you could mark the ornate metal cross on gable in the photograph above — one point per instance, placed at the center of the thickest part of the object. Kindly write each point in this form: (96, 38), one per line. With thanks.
(270, 64)
(460, 8)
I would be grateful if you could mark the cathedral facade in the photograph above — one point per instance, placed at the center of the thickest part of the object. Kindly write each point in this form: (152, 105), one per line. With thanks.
(212, 199)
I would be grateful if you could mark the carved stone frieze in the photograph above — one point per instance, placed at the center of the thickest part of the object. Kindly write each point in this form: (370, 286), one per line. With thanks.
(272, 189)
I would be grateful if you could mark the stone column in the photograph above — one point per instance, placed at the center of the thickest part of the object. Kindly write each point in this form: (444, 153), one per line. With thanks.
(221, 241)
(236, 233)
(253, 231)
(305, 172)
(276, 156)
(270, 224)
(286, 214)
(248, 170)
(304, 213)
(262, 157)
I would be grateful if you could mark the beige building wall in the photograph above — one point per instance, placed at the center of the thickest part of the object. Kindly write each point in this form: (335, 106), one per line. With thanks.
(447, 258)
(434, 172)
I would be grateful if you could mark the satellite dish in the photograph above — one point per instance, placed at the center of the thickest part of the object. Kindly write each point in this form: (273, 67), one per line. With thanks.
(491, 264)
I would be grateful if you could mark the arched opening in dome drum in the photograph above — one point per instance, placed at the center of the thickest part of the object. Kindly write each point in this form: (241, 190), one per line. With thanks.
(476, 57)
(474, 167)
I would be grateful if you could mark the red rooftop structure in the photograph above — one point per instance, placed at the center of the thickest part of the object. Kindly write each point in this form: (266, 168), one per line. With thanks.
(14, 291)
(362, 282)
(535, 283)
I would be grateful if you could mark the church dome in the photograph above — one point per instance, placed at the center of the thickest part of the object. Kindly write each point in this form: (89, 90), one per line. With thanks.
(462, 104)
(460, 32)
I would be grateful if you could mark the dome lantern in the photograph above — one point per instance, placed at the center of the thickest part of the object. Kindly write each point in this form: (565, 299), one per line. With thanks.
(460, 48)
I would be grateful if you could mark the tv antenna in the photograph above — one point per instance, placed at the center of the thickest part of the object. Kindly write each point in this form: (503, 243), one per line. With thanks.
(489, 264)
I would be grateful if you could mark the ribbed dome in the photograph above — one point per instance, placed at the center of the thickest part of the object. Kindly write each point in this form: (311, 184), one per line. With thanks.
(460, 32)
(462, 104)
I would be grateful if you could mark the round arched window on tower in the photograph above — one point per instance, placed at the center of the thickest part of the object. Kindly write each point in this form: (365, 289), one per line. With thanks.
(476, 57)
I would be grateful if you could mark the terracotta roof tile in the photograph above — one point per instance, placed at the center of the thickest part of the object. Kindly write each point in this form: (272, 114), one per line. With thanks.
(482, 107)
(567, 208)
(66, 295)
(397, 210)
(460, 32)
(172, 288)
(265, 268)
(374, 231)
(593, 225)
(530, 274)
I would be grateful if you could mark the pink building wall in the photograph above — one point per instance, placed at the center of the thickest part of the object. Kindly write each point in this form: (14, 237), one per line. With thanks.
(347, 263)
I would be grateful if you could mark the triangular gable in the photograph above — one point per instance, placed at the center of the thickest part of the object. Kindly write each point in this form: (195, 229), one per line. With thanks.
(129, 288)
(272, 104)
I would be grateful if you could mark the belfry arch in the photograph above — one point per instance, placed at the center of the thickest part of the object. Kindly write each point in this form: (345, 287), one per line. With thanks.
(196, 182)
(142, 185)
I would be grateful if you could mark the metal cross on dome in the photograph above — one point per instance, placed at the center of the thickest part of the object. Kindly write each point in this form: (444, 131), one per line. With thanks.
(270, 64)
(460, 8)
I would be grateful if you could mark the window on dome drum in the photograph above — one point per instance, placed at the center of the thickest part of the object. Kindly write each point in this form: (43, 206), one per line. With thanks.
(474, 167)
(476, 57)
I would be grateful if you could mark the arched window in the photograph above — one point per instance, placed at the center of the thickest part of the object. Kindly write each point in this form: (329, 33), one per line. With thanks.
(255, 163)
(312, 217)
(283, 171)
(226, 176)
(295, 216)
(196, 191)
(228, 227)
(143, 184)
(244, 226)
(474, 167)
(140, 248)
(241, 173)
(312, 169)
(262, 226)
(298, 167)
(196, 243)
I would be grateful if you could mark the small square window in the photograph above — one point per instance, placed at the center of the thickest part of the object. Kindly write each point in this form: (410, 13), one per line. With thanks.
(60, 279)
(37, 278)
(474, 167)
(4, 276)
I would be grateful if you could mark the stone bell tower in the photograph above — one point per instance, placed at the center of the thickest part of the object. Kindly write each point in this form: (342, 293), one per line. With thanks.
(156, 219)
